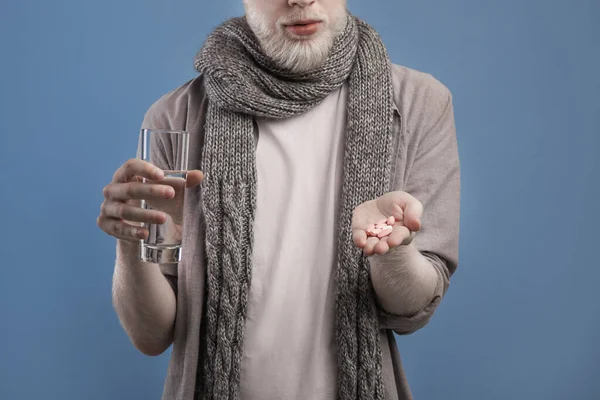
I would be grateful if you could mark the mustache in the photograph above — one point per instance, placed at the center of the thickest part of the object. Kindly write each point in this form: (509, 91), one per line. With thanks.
(300, 15)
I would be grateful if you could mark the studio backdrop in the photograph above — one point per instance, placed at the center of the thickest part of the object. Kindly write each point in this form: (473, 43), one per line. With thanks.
(521, 320)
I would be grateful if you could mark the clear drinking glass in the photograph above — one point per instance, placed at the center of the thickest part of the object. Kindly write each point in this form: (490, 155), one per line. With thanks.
(167, 150)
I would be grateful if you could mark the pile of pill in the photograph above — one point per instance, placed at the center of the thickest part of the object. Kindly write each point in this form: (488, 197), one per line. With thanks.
(382, 228)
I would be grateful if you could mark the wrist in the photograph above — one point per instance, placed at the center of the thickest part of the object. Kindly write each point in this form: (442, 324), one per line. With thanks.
(403, 279)
(128, 252)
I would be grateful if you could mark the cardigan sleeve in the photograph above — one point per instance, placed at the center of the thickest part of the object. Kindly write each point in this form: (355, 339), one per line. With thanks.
(432, 176)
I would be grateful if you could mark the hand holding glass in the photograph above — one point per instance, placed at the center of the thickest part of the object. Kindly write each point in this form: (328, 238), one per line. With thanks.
(167, 150)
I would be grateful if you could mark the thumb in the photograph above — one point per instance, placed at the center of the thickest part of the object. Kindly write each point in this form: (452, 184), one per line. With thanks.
(194, 178)
(412, 215)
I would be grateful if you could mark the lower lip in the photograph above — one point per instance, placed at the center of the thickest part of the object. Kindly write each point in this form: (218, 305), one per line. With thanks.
(304, 30)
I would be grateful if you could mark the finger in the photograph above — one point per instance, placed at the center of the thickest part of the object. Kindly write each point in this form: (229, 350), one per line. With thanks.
(371, 242)
(194, 178)
(121, 230)
(119, 210)
(135, 167)
(382, 246)
(412, 215)
(398, 235)
(138, 191)
(359, 237)
(409, 239)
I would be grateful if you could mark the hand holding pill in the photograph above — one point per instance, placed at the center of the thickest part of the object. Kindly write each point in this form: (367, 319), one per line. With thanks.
(386, 222)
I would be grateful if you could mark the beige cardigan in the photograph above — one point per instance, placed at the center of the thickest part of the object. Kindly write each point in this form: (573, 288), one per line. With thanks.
(427, 167)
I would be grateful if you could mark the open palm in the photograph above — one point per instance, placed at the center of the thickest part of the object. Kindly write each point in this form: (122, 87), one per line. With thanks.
(402, 206)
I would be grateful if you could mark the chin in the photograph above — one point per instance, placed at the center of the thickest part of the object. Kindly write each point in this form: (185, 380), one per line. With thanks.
(292, 52)
(305, 40)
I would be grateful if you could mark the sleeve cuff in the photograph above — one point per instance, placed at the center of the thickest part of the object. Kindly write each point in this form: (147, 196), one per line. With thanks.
(407, 324)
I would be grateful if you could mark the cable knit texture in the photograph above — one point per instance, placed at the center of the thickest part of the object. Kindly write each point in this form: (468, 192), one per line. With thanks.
(242, 83)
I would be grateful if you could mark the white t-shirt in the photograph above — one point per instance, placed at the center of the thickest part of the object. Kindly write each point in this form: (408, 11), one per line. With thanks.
(289, 343)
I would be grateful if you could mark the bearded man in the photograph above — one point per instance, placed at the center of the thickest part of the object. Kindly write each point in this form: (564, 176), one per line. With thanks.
(302, 134)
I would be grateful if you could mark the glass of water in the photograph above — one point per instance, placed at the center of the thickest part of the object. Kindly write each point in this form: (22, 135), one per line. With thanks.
(168, 150)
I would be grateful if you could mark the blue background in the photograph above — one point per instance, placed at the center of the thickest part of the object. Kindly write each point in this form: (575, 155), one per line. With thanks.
(522, 318)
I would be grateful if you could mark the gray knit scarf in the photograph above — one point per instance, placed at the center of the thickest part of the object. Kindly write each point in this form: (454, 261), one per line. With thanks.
(242, 83)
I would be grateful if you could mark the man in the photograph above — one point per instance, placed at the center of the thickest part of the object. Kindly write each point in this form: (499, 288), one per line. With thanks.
(305, 134)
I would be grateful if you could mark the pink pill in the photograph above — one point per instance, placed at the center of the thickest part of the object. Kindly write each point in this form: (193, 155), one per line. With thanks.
(383, 221)
(370, 227)
(385, 232)
(376, 231)
(380, 226)
(391, 220)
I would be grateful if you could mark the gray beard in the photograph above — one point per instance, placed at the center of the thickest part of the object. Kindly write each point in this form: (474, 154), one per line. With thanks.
(296, 55)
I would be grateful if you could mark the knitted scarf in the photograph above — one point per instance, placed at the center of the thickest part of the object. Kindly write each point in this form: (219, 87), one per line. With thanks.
(243, 83)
